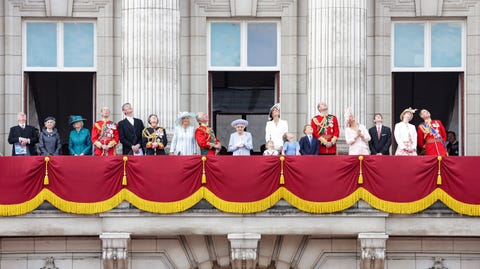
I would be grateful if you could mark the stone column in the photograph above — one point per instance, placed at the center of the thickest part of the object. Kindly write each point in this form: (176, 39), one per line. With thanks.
(244, 250)
(337, 54)
(3, 119)
(114, 250)
(373, 247)
(150, 58)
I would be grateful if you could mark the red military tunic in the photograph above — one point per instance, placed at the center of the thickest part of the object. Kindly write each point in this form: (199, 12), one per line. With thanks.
(104, 133)
(325, 129)
(206, 140)
(432, 137)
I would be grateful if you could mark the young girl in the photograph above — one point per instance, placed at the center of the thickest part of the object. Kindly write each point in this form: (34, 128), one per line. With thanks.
(270, 149)
(290, 147)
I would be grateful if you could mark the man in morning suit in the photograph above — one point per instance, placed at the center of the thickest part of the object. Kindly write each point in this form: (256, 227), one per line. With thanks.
(130, 132)
(23, 137)
(381, 137)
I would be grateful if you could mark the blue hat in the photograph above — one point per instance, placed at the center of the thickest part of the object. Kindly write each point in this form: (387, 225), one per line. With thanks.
(239, 122)
(74, 119)
(185, 114)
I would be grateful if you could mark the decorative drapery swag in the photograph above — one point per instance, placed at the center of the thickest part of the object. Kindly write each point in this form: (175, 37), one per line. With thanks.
(170, 184)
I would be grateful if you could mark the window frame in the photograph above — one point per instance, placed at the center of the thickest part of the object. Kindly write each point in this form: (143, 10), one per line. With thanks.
(60, 47)
(427, 50)
(243, 47)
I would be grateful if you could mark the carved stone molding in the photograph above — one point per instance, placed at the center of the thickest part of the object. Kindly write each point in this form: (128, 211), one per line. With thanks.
(49, 263)
(430, 8)
(425, 7)
(243, 250)
(29, 5)
(246, 8)
(115, 250)
(438, 264)
(58, 8)
(373, 250)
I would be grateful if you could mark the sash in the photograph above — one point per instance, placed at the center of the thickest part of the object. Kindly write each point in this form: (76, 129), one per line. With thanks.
(429, 129)
(323, 125)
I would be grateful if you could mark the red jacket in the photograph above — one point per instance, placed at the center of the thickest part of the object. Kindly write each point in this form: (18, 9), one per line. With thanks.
(206, 140)
(325, 129)
(432, 137)
(104, 133)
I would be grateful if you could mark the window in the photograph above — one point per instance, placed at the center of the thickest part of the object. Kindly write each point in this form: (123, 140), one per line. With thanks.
(244, 45)
(59, 46)
(428, 46)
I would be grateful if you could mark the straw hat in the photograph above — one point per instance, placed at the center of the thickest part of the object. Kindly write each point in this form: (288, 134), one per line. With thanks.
(411, 110)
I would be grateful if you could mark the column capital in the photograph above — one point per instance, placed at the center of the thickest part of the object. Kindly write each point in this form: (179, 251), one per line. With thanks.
(244, 247)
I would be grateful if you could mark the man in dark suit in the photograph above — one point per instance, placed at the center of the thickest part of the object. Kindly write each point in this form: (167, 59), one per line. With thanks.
(308, 144)
(130, 132)
(381, 137)
(23, 137)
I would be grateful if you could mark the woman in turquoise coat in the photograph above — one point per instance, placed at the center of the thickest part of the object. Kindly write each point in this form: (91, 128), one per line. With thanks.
(79, 143)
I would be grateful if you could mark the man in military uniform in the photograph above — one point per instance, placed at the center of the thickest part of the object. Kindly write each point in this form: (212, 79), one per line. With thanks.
(325, 129)
(206, 140)
(105, 135)
(431, 135)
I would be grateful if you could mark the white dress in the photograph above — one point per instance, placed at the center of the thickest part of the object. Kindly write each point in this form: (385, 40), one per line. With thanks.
(275, 132)
(356, 145)
(240, 144)
(406, 138)
(183, 142)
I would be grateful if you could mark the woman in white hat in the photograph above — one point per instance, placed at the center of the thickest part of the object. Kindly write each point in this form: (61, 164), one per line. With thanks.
(183, 142)
(276, 128)
(240, 141)
(406, 134)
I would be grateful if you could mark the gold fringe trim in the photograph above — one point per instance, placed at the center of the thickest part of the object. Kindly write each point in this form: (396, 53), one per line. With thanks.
(398, 207)
(22, 208)
(321, 207)
(164, 207)
(243, 207)
(457, 206)
(84, 208)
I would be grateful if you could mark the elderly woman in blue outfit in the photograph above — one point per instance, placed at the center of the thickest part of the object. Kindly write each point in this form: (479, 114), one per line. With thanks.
(240, 141)
(79, 143)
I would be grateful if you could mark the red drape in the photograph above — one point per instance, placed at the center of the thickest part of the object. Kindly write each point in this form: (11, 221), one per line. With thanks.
(239, 184)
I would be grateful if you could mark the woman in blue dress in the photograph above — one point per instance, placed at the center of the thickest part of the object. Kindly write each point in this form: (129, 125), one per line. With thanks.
(79, 143)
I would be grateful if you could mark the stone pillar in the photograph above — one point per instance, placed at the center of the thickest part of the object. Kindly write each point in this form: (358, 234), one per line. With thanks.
(150, 58)
(114, 250)
(244, 250)
(3, 119)
(373, 246)
(337, 54)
